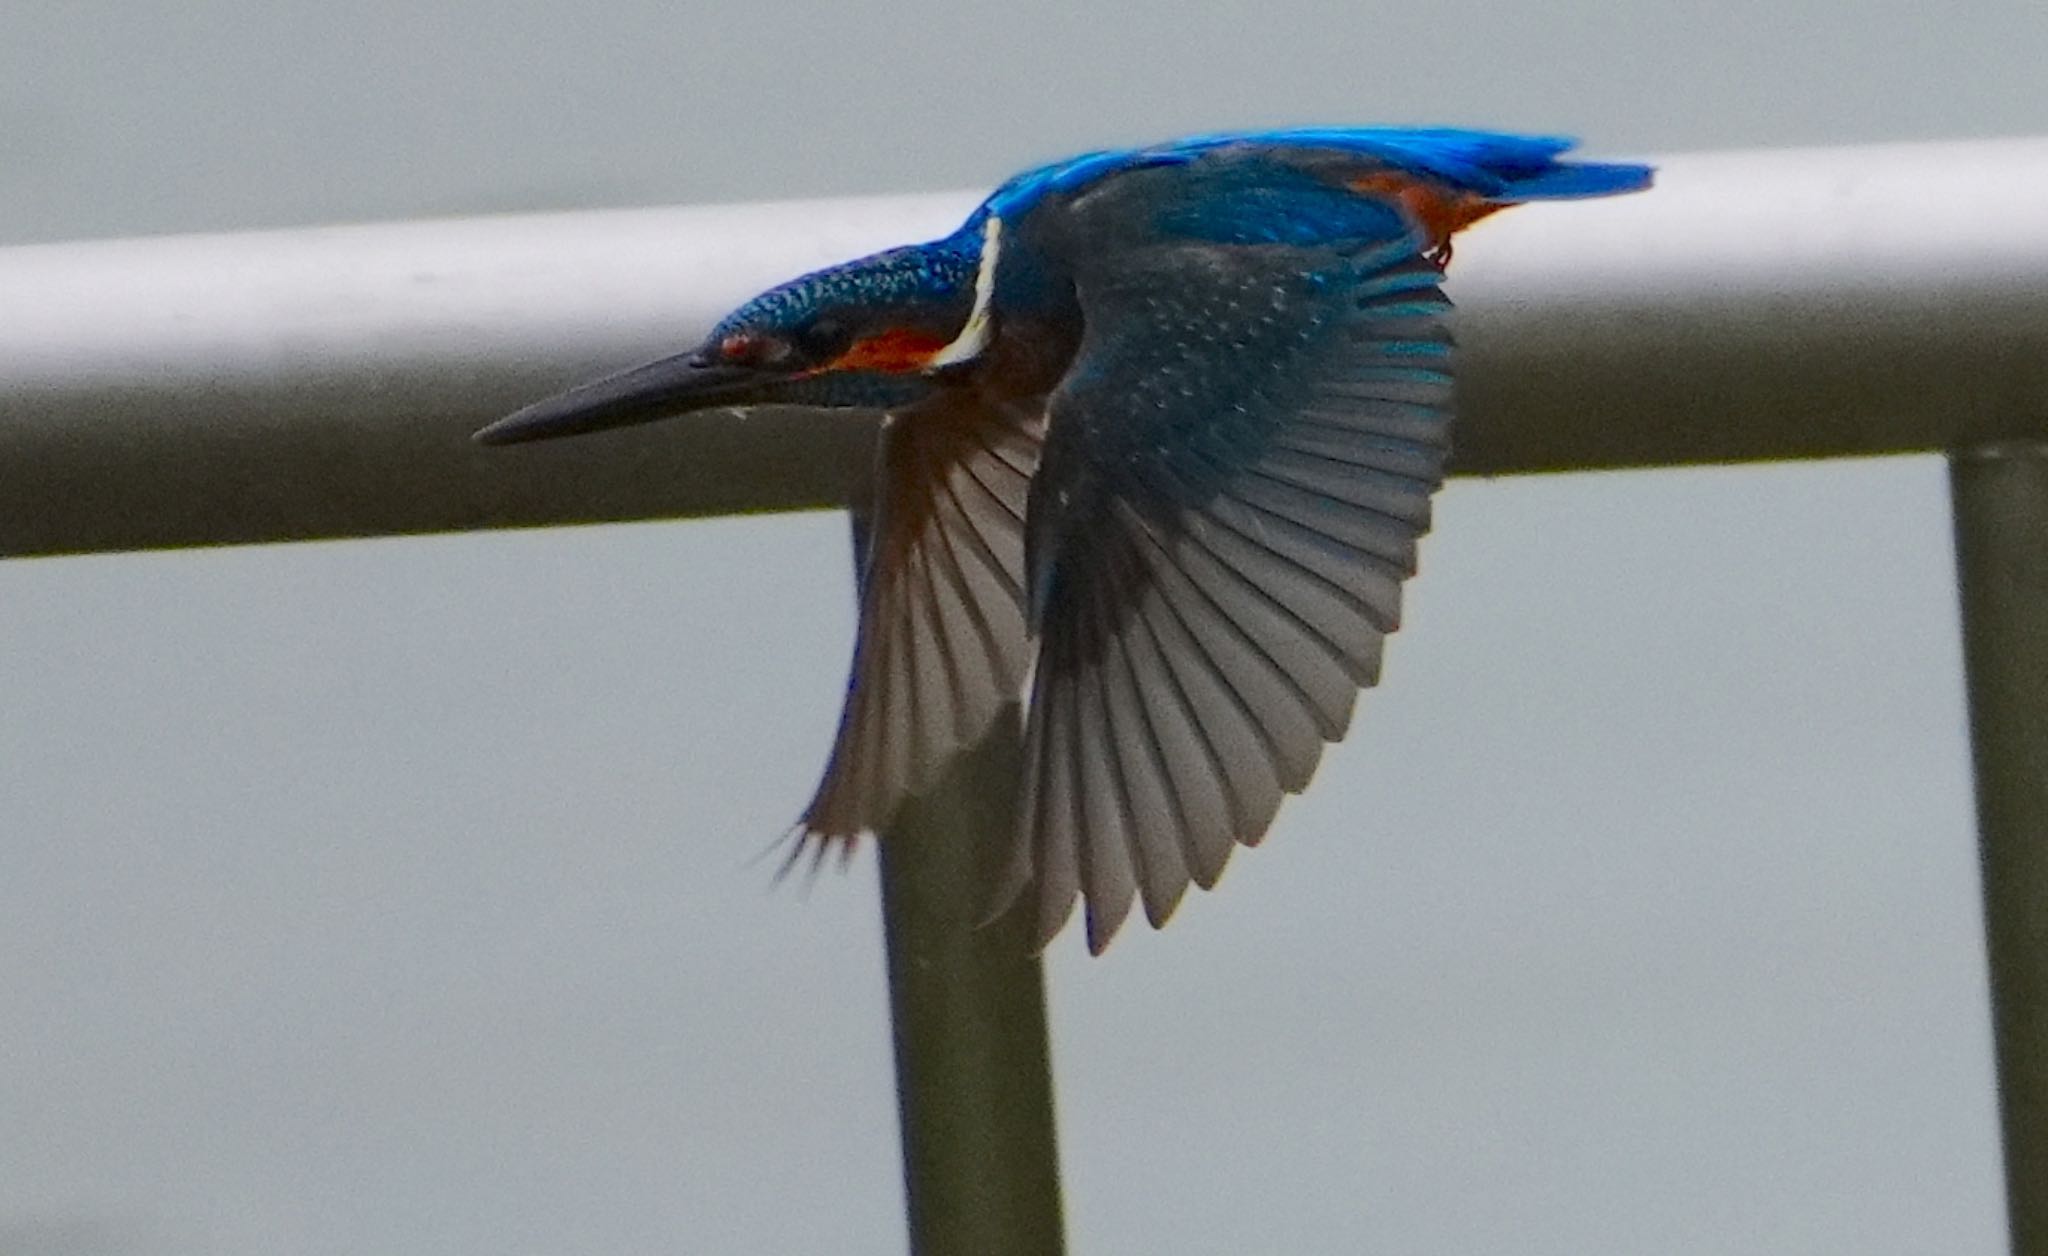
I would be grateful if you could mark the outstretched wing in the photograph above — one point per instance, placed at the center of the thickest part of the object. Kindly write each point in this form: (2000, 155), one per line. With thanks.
(1238, 467)
(941, 647)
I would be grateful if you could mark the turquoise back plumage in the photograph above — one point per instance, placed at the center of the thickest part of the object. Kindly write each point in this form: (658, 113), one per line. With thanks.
(1492, 164)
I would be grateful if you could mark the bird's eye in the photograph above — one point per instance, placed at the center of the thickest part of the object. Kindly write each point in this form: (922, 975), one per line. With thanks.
(825, 339)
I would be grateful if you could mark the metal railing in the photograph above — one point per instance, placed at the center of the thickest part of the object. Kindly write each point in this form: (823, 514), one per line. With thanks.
(1784, 304)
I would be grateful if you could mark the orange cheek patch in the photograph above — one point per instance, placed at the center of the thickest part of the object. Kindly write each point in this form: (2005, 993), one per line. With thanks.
(897, 351)
(1440, 210)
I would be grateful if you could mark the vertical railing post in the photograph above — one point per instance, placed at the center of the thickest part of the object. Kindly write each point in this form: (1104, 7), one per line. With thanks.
(967, 1007)
(2001, 518)
(973, 1070)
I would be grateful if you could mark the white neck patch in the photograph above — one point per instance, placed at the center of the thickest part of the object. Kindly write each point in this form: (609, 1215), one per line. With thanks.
(979, 330)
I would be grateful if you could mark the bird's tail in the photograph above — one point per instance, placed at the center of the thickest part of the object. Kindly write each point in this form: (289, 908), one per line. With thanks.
(1495, 165)
(1571, 180)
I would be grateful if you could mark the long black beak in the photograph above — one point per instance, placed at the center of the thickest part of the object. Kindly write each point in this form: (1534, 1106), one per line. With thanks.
(642, 394)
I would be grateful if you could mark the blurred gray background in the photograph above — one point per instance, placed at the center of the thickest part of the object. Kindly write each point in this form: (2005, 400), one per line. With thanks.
(393, 896)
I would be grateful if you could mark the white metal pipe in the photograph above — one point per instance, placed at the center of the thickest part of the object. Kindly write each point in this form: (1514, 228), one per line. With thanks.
(297, 384)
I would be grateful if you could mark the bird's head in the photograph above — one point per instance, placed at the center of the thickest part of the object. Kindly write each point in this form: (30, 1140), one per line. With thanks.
(859, 334)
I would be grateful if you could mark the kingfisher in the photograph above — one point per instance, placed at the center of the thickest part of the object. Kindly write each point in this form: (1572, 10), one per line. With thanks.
(1161, 428)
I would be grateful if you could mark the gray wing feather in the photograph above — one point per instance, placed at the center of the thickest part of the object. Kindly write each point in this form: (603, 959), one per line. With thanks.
(941, 648)
(1215, 549)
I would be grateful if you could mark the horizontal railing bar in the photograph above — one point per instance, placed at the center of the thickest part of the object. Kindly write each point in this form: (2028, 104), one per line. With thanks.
(321, 383)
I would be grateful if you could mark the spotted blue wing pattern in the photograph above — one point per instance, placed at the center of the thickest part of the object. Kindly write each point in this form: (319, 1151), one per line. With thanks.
(1239, 466)
(941, 649)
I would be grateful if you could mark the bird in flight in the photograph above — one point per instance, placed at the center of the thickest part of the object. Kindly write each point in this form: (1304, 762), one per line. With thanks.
(1161, 428)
